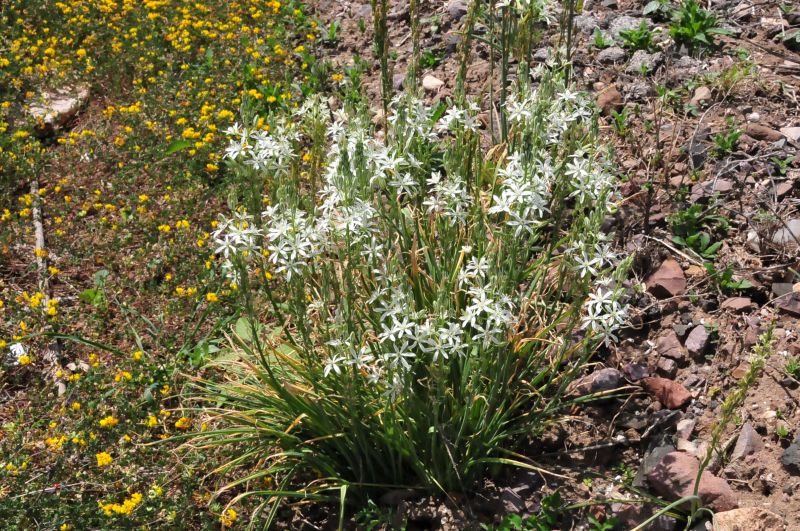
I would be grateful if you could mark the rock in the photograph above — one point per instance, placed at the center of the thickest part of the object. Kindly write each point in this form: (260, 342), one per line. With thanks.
(636, 371)
(696, 147)
(625, 23)
(752, 117)
(782, 288)
(790, 234)
(667, 368)
(637, 90)
(781, 189)
(586, 24)
(762, 132)
(697, 340)
(650, 461)
(672, 395)
(790, 304)
(667, 281)
(709, 188)
(606, 379)
(674, 478)
(55, 108)
(792, 133)
(736, 304)
(684, 429)
(364, 11)
(749, 442)
(669, 345)
(612, 55)
(790, 459)
(456, 9)
(432, 84)
(609, 100)
(541, 55)
(452, 42)
(701, 95)
(629, 516)
(748, 519)
(686, 67)
(644, 62)
(512, 501)
(398, 80)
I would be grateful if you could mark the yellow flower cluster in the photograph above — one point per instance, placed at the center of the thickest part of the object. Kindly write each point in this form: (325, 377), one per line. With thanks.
(103, 459)
(108, 422)
(124, 508)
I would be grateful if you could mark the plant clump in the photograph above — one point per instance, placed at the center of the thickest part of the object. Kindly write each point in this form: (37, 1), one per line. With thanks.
(432, 301)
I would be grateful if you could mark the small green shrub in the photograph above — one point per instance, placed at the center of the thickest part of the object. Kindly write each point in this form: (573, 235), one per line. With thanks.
(725, 141)
(640, 38)
(694, 27)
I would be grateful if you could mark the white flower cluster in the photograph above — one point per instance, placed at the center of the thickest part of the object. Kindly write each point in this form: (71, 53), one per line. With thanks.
(237, 236)
(605, 314)
(259, 149)
(293, 239)
(524, 195)
(372, 201)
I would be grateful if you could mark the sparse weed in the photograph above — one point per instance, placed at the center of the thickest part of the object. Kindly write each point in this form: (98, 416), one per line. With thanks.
(640, 38)
(725, 141)
(694, 27)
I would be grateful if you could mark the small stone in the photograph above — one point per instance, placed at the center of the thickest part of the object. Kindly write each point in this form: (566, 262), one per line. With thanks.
(398, 80)
(669, 345)
(684, 428)
(636, 371)
(670, 394)
(542, 54)
(790, 234)
(586, 24)
(740, 371)
(782, 288)
(709, 188)
(748, 519)
(697, 341)
(609, 100)
(681, 329)
(790, 459)
(781, 189)
(432, 84)
(644, 62)
(701, 95)
(736, 304)
(667, 368)
(625, 23)
(749, 442)
(792, 133)
(54, 109)
(752, 117)
(650, 461)
(456, 9)
(674, 477)
(667, 281)
(762, 132)
(606, 379)
(789, 304)
(612, 55)
(452, 42)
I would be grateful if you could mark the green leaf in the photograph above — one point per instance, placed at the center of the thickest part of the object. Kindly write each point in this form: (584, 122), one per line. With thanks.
(176, 146)
(651, 7)
(91, 296)
(243, 329)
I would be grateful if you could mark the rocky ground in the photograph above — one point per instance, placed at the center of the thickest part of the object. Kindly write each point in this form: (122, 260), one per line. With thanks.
(707, 147)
